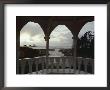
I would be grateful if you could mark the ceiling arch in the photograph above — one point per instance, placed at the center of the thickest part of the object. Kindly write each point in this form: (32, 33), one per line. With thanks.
(48, 23)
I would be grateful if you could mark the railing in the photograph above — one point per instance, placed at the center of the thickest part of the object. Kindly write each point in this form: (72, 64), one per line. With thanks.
(55, 65)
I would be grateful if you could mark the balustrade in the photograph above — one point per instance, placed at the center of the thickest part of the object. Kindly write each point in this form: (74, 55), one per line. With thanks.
(55, 65)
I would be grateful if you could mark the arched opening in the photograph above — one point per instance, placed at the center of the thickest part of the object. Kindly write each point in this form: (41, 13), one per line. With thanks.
(86, 41)
(85, 44)
(60, 42)
(32, 43)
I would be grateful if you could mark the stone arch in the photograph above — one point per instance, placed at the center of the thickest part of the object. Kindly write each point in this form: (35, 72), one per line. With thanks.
(86, 40)
(54, 25)
(61, 37)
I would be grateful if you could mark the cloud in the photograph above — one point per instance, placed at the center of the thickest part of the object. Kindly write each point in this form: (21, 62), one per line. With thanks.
(61, 36)
(32, 29)
(31, 34)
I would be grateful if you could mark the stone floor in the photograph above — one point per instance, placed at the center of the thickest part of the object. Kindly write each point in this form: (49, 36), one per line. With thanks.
(59, 71)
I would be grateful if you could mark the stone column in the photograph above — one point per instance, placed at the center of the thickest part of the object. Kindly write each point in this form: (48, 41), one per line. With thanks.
(30, 62)
(23, 63)
(92, 62)
(85, 65)
(74, 52)
(47, 46)
(17, 51)
(47, 50)
(36, 61)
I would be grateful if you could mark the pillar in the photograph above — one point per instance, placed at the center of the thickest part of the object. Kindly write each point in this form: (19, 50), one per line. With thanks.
(47, 46)
(36, 61)
(23, 63)
(47, 50)
(30, 62)
(92, 62)
(74, 52)
(85, 65)
(17, 51)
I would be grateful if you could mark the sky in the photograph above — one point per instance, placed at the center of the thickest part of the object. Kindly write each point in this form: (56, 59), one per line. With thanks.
(61, 36)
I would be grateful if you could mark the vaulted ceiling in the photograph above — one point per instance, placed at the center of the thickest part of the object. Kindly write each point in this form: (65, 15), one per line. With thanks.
(48, 23)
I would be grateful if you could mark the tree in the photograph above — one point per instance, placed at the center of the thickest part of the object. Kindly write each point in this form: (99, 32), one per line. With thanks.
(85, 45)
